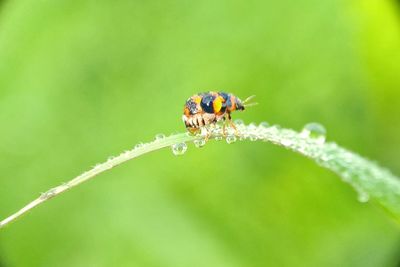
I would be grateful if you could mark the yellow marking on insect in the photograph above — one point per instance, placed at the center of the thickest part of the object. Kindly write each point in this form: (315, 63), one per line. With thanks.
(197, 99)
(217, 104)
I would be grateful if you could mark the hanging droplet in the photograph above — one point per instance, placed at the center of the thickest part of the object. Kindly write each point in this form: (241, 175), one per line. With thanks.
(230, 139)
(362, 196)
(218, 137)
(160, 136)
(179, 149)
(253, 137)
(315, 131)
(346, 176)
(199, 142)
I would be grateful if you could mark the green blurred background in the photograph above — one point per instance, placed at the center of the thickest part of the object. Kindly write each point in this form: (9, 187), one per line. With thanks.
(83, 80)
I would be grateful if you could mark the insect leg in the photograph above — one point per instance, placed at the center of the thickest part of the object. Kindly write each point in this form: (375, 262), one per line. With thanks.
(232, 124)
(224, 129)
(224, 124)
(234, 127)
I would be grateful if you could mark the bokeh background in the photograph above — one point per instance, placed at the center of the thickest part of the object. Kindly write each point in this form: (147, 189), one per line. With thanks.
(84, 80)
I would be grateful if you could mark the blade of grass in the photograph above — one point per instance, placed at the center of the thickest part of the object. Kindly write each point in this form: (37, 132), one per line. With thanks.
(365, 176)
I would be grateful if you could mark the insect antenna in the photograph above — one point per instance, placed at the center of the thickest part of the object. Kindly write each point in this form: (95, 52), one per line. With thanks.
(246, 102)
(250, 104)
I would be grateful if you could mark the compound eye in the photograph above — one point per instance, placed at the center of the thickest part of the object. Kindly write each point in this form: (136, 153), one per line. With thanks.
(207, 103)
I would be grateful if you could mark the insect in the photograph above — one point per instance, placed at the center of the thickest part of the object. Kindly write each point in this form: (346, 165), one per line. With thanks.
(208, 108)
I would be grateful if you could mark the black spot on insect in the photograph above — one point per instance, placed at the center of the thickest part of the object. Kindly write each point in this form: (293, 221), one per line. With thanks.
(207, 103)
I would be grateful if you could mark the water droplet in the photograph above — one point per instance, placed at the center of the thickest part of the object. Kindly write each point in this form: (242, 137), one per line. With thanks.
(199, 142)
(238, 122)
(275, 127)
(218, 137)
(230, 131)
(362, 196)
(138, 145)
(315, 131)
(215, 131)
(160, 136)
(230, 139)
(287, 142)
(253, 137)
(264, 124)
(252, 126)
(49, 194)
(204, 131)
(179, 149)
(346, 176)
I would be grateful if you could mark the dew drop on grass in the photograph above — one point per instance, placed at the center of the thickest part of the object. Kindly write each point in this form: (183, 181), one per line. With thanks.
(204, 131)
(275, 127)
(253, 137)
(230, 139)
(199, 142)
(138, 145)
(315, 131)
(218, 137)
(179, 149)
(346, 176)
(49, 194)
(238, 122)
(362, 196)
(287, 142)
(160, 136)
(252, 126)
